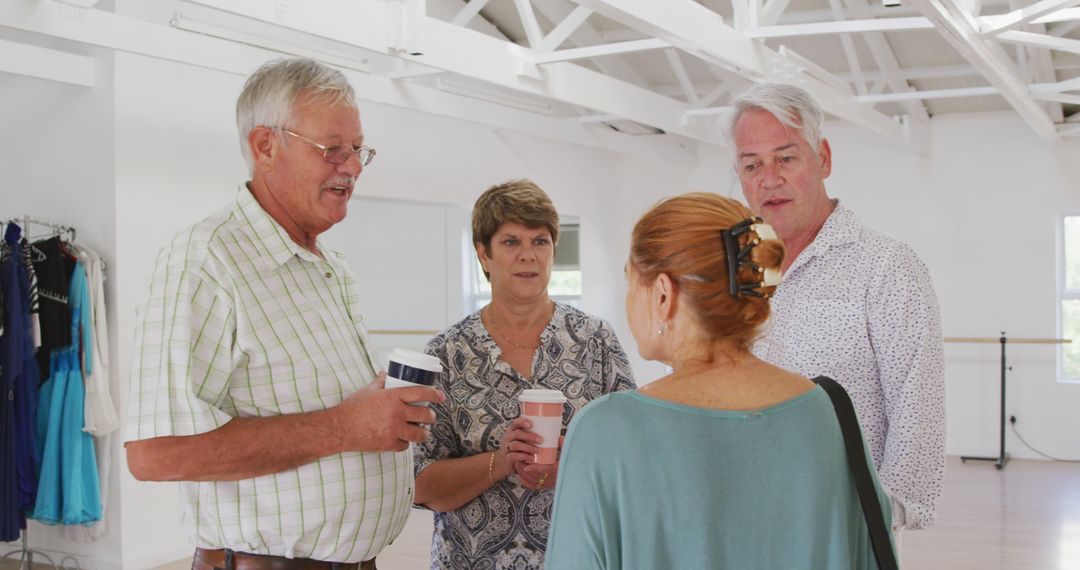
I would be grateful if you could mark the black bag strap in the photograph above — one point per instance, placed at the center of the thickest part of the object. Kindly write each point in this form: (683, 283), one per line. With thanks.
(860, 471)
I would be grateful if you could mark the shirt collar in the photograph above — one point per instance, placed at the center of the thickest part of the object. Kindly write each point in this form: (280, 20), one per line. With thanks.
(276, 245)
(841, 227)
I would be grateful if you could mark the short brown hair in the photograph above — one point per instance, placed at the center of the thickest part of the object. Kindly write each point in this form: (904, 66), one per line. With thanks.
(517, 201)
(680, 236)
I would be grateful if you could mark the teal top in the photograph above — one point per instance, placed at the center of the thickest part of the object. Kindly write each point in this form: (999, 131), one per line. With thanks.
(646, 483)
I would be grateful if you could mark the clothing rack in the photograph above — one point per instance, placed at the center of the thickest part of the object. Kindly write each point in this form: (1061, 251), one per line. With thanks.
(26, 222)
(26, 554)
(999, 461)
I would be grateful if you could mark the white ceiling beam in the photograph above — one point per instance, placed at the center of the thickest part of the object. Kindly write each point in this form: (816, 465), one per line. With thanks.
(567, 26)
(878, 10)
(841, 27)
(528, 21)
(468, 12)
(928, 94)
(1057, 87)
(1041, 41)
(883, 24)
(882, 52)
(1066, 15)
(772, 11)
(586, 35)
(43, 63)
(910, 73)
(600, 50)
(482, 58)
(960, 29)
(1043, 66)
(849, 49)
(131, 35)
(1041, 91)
(702, 33)
(683, 78)
(992, 25)
(1060, 98)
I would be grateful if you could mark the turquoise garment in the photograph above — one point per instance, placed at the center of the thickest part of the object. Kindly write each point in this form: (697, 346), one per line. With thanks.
(68, 488)
(645, 483)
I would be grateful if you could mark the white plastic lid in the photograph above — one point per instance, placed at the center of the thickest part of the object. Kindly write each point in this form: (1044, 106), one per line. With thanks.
(414, 359)
(542, 396)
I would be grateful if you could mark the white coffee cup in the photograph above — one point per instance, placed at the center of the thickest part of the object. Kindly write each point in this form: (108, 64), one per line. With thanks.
(544, 408)
(408, 368)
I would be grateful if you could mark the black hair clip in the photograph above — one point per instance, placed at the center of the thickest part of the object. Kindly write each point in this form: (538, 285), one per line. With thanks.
(740, 257)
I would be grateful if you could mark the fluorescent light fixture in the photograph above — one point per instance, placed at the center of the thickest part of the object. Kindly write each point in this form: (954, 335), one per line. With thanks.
(78, 3)
(279, 45)
(498, 98)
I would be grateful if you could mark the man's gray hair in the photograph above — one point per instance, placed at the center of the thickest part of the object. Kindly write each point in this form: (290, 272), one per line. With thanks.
(790, 105)
(269, 94)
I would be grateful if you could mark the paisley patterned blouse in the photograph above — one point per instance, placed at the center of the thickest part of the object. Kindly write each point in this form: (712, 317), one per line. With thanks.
(507, 526)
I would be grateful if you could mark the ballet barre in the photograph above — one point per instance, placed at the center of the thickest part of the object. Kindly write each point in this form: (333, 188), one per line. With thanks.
(999, 461)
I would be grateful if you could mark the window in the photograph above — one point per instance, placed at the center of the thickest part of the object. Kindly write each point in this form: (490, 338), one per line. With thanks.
(1069, 297)
(565, 284)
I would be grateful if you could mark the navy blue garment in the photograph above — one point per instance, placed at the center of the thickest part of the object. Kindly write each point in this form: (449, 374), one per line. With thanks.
(18, 392)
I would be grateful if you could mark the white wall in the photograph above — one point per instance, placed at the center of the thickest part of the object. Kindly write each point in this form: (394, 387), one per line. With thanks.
(56, 165)
(982, 213)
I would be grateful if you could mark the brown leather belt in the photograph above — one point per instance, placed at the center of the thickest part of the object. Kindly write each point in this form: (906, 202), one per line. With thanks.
(216, 559)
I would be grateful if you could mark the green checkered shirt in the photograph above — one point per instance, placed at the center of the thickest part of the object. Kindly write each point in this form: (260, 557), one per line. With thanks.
(243, 322)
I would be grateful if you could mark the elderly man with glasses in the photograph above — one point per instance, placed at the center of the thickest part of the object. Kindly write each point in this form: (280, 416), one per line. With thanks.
(254, 383)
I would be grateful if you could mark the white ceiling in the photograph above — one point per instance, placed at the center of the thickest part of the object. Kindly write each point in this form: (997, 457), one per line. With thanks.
(637, 67)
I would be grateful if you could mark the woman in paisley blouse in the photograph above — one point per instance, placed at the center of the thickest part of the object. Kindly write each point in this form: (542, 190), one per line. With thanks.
(492, 503)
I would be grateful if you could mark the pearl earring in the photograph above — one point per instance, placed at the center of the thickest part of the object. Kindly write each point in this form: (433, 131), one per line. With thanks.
(661, 330)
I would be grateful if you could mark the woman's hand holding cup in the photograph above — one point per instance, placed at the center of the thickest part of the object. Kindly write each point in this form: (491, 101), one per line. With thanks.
(537, 476)
(518, 446)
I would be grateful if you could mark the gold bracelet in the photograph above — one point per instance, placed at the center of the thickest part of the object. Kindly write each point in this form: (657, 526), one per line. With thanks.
(491, 468)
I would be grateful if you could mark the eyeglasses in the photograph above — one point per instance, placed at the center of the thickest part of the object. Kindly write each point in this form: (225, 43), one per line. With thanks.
(339, 154)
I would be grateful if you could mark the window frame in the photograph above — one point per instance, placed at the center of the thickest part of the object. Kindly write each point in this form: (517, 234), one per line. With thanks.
(1063, 294)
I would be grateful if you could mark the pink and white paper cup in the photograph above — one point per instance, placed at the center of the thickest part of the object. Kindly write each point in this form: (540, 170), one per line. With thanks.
(544, 408)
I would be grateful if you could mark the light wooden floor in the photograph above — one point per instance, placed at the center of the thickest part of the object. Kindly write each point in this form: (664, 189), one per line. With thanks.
(1025, 517)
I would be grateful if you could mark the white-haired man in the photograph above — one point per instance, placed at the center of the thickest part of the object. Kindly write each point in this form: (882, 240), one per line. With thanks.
(253, 382)
(853, 304)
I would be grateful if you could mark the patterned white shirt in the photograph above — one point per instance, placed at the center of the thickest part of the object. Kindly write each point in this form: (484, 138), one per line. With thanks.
(859, 307)
(243, 322)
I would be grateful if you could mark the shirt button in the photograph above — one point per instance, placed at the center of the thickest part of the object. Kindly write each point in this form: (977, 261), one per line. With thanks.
(329, 275)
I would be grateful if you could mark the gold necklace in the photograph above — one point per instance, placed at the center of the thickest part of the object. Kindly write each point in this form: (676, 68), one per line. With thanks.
(491, 320)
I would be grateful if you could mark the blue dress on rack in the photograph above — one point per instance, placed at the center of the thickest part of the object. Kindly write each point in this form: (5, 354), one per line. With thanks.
(18, 393)
(68, 490)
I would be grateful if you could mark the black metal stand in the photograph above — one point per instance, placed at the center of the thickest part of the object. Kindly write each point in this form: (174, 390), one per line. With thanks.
(999, 461)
